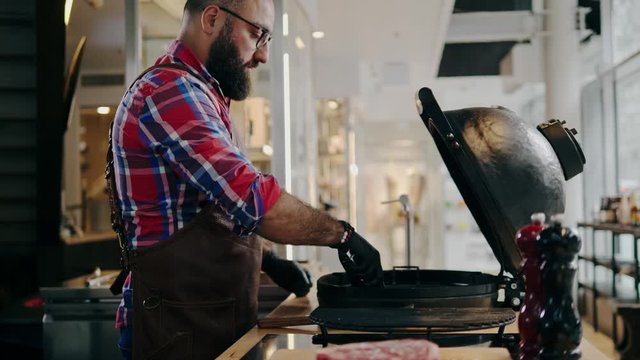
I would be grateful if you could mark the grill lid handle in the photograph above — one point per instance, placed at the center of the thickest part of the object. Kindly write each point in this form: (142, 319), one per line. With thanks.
(565, 146)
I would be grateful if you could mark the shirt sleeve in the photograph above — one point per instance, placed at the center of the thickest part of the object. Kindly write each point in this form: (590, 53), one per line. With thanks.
(182, 124)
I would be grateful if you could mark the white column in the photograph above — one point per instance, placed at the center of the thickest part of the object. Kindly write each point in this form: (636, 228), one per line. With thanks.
(563, 83)
(609, 136)
(276, 66)
(280, 166)
(132, 41)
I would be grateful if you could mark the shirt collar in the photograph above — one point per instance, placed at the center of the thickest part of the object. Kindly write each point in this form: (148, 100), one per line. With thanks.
(178, 52)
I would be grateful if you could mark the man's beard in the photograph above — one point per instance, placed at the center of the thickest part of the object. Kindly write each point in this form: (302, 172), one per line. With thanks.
(225, 65)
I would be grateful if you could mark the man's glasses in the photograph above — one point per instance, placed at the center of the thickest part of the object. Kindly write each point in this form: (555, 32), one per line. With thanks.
(265, 35)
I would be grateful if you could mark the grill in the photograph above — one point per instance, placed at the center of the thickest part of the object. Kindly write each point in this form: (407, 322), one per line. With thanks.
(505, 170)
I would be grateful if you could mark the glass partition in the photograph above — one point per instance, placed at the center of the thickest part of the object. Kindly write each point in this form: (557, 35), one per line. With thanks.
(592, 145)
(628, 125)
(299, 105)
(625, 28)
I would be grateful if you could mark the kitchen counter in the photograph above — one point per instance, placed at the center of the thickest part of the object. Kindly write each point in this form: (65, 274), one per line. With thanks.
(294, 342)
(82, 309)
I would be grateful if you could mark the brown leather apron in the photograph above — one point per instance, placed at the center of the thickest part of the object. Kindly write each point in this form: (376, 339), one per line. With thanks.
(195, 293)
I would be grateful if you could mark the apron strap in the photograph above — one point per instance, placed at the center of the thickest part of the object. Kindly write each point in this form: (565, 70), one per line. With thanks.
(117, 223)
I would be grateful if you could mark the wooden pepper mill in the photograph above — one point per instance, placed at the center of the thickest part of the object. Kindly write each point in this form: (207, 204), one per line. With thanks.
(559, 327)
(527, 241)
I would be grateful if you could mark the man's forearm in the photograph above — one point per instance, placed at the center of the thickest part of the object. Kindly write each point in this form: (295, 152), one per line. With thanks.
(290, 221)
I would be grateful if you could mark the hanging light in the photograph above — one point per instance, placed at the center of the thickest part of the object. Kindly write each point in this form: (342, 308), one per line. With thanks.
(103, 110)
(267, 149)
(285, 24)
(68, 4)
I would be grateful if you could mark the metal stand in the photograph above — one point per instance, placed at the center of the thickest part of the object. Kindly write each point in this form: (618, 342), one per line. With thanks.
(407, 211)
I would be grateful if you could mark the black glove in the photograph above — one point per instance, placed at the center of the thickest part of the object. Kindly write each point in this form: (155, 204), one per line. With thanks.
(289, 275)
(360, 260)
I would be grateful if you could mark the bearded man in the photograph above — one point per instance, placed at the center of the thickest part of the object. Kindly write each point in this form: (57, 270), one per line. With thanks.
(187, 203)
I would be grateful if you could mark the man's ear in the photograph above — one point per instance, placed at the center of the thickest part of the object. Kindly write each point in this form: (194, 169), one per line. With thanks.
(208, 18)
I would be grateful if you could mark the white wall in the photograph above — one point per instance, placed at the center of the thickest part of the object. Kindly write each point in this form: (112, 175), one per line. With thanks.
(310, 7)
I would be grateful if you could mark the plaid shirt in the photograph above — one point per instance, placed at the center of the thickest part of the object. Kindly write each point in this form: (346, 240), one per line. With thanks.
(174, 151)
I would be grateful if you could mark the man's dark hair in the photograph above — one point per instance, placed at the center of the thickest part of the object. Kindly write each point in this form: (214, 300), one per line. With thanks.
(195, 6)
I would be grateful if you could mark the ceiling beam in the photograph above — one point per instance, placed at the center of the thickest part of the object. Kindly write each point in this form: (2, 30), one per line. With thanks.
(446, 10)
(493, 26)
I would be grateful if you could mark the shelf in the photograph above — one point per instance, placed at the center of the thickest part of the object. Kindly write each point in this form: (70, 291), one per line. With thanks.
(91, 237)
(623, 267)
(625, 295)
(614, 228)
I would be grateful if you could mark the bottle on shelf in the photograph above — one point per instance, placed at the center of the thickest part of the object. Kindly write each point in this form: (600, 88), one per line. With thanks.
(624, 211)
(633, 208)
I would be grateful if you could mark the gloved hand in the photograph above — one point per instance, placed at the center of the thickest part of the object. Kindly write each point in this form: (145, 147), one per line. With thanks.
(360, 260)
(287, 274)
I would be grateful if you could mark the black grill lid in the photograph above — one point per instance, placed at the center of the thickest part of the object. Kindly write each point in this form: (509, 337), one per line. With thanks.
(504, 168)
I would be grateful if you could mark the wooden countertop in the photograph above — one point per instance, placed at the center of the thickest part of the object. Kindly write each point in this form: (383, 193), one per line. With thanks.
(461, 353)
(292, 309)
(445, 354)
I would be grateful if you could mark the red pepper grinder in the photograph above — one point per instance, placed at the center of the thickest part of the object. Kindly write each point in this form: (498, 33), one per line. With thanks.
(527, 241)
(560, 330)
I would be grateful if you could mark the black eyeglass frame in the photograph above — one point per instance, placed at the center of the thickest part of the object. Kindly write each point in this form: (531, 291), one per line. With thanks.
(265, 35)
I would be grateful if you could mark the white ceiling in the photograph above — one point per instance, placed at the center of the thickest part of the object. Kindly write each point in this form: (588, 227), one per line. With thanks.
(104, 29)
(380, 30)
(157, 22)
(371, 30)
(356, 30)
(381, 51)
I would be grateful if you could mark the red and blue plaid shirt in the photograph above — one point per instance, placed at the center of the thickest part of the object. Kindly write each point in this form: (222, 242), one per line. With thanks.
(174, 151)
